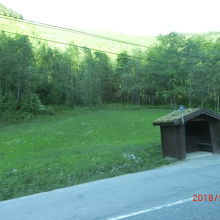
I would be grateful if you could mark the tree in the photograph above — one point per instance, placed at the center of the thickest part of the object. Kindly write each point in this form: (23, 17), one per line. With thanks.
(17, 67)
(123, 77)
(165, 68)
(196, 62)
(103, 74)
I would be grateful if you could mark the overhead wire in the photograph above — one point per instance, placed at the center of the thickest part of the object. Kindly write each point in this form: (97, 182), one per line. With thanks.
(70, 30)
(68, 44)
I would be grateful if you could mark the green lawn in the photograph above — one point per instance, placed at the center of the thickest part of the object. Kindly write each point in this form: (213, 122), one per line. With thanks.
(66, 149)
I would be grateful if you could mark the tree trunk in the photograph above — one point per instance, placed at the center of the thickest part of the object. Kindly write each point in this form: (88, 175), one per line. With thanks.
(19, 87)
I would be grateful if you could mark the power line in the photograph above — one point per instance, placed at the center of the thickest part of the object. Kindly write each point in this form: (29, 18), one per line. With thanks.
(68, 44)
(70, 30)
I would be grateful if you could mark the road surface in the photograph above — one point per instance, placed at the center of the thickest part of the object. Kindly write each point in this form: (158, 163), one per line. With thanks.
(163, 193)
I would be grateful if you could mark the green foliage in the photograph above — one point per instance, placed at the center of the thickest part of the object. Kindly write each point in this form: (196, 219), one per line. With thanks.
(75, 147)
(38, 79)
(8, 102)
(80, 40)
(31, 103)
(175, 71)
(9, 12)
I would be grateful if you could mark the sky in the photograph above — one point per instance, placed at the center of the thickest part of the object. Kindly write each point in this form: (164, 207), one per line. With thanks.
(134, 17)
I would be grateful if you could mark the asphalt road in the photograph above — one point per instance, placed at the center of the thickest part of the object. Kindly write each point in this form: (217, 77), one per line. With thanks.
(164, 193)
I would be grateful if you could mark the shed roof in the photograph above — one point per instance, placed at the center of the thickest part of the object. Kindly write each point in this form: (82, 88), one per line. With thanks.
(175, 117)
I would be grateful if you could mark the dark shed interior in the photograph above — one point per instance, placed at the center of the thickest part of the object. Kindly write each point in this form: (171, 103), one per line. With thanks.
(198, 137)
(189, 131)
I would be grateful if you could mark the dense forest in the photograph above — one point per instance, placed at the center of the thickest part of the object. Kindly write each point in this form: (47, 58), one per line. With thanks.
(177, 69)
(174, 71)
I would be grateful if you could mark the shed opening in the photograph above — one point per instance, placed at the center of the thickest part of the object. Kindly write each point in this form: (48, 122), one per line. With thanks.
(198, 136)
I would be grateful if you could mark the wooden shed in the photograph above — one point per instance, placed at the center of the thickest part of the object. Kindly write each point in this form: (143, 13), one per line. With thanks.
(188, 131)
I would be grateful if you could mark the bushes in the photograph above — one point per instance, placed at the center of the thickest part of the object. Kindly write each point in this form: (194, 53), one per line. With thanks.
(32, 103)
(11, 110)
(8, 102)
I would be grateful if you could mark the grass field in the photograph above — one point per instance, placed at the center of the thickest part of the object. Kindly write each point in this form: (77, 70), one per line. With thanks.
(75, 147)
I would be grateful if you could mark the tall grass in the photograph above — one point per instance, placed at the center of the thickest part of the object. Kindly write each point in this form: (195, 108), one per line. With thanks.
(77, 146)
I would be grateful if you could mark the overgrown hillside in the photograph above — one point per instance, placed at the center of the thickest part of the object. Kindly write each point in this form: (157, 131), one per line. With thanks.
(19, 26)
(9, 12)
(177, 69)
(27, 28)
